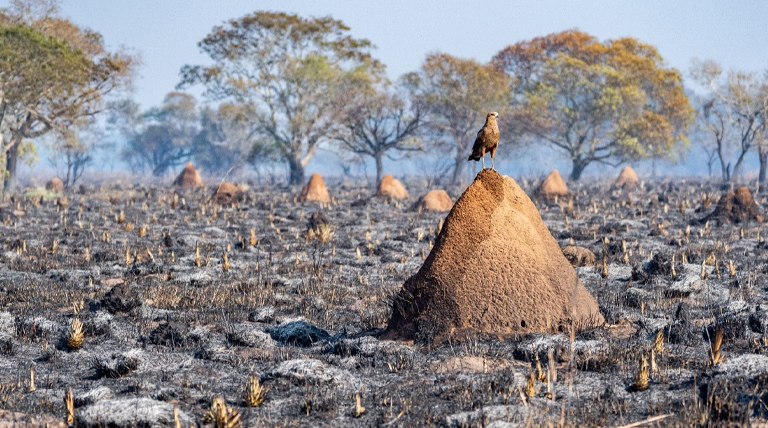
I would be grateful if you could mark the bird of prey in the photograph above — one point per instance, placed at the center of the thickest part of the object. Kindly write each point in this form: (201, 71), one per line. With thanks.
(487, 139)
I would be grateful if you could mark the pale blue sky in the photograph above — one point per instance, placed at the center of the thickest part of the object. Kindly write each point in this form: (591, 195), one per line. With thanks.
(166, 32)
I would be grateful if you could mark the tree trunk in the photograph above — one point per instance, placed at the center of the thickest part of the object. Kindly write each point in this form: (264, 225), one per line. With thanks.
(458, 169)
(379, 166)
(763, 154)
(734, 174)
(11, 163)
(296, 170)
(725, 168)
(578, 167)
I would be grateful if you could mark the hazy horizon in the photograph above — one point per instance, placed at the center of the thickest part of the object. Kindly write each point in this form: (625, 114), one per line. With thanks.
(165, 35)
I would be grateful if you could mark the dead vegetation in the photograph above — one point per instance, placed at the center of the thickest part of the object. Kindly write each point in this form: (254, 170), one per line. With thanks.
(274, 310)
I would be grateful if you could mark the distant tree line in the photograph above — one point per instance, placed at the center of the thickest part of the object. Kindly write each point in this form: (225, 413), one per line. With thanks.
(279, 86)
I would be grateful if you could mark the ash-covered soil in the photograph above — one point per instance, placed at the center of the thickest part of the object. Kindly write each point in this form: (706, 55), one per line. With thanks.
(301, 315)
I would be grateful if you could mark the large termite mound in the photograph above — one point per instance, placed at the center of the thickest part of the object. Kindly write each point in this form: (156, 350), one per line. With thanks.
(553, 187)
(391, 187)
(495, 268)
(434, 201)
(228, 194)
(627, 179)
(189, 178)
(55, 185)
(736, 207)
(315, 190)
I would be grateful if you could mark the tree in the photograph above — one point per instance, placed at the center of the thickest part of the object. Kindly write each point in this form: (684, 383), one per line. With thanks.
(608, 102)
(54, 76)
(734, 112)
(380, 122)
(162, 137)
(73, 152)
(455, 95)
(291, 72)
(226, 139)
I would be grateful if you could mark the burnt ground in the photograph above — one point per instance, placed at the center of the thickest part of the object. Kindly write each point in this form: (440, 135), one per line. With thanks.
(301, 315)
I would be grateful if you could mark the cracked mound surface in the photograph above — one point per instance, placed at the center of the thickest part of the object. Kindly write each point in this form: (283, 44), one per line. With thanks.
(392, 188)
(189, 178)
(495, 268)
(315, 190)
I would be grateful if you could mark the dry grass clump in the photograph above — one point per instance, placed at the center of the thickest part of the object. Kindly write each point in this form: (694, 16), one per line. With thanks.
(321, 233)
(221, 415)
(716, 357)
(541, 375)
(32, 387)
(359, 409)
(198, 259)
(69, 404)
(641, 378)
(255, 392)
(225, 265)
(658, 343)
(530, 385)
(75, 339)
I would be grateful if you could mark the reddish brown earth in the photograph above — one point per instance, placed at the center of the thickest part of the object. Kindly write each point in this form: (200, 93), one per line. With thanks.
(495, 268)
(627, 179)
(55, 185)
(434, 201)
(737, 207)
(579, 256)
(227, 193)
(553, 187)
(392, 188)
(189, 178)
(315, 191)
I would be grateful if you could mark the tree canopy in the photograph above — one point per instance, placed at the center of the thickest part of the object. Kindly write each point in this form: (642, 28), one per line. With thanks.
(606, 102)
(456, 94)
(226, 141)
(161, 138)
(733, 112)
(292, 72)
(54, 76)
(380, 120)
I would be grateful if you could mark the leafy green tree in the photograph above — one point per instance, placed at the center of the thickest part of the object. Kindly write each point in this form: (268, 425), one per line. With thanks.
(606, 102)
(161, 138)
(292, 73)
(733, 111)
(380, 121)
(54, 76)
(456, 94)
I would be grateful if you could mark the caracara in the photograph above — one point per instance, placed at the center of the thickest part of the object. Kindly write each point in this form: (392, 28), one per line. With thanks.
(487, 139)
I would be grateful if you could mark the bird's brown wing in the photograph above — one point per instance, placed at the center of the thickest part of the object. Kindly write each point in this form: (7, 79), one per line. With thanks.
(480, 143)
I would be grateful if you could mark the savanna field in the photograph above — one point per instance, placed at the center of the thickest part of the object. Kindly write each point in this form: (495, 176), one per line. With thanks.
(150, 302)
(328, 254)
